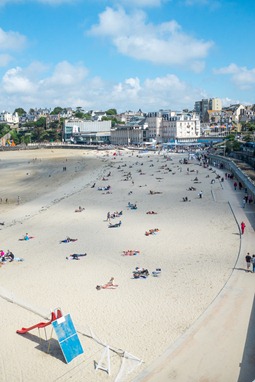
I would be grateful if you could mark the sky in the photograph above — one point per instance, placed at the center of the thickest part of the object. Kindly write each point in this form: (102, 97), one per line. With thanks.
(125, 54)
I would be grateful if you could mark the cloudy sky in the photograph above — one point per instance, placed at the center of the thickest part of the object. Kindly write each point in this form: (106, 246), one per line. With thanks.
(125, 54)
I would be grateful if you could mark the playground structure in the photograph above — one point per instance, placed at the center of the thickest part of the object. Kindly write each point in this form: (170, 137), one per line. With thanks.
(68, 340)
(65, 331)
(56, 314)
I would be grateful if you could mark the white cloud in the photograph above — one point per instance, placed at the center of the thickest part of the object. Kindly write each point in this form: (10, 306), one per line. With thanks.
(70, 85)
(15, 81)
(242, 77)
(11, 41)
(165, 43)
(66, 74)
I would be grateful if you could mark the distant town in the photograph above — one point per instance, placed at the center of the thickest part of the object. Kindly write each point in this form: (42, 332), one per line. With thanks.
(66, 125)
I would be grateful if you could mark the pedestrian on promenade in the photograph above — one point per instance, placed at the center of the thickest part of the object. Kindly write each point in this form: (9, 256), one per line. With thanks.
(244, 202)
(253, 263)
(235, 186)
(248, 261)
(243, 227)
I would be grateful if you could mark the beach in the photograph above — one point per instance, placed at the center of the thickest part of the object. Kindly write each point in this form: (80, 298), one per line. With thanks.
(195, 246)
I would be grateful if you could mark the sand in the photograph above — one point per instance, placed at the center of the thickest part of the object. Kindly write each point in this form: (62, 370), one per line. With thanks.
(196, 248)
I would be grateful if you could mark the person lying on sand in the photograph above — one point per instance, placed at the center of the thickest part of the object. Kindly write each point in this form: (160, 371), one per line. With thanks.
(151, 213)
(68, 240)
(116, 225)
(154, 192)
(80, 209)
(75, 256)
(109, 285)
(130, 252)
(152, 231)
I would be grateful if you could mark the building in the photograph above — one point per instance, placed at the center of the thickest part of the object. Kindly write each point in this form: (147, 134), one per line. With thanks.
(9, 119)
(181, 127)
(81, 131)
(201, 107)
(134, 133)
(154, 121)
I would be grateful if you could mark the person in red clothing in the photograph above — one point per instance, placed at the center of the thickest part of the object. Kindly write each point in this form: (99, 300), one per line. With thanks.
(243, 227)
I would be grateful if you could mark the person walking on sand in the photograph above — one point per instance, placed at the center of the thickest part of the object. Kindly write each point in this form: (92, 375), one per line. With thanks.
(253, 263)
(243, 227)
(248, 262)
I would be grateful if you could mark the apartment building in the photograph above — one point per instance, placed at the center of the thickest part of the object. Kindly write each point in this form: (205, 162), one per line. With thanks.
(182, 127)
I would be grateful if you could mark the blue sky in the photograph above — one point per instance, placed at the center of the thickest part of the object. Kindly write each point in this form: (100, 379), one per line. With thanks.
(126, 54)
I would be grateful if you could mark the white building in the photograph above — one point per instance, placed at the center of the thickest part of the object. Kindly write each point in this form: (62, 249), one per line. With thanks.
(81, 131)
(181, 127)
(10, 119)
(167, 126)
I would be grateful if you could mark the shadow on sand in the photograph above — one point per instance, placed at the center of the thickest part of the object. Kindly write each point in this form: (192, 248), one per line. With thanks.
(50, 347)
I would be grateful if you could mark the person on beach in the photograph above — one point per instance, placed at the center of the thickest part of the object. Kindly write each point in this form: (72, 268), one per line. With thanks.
(253, 263)
(76, 256)
(248, 262)
(26, 237)
(235, 186)
(243, 227)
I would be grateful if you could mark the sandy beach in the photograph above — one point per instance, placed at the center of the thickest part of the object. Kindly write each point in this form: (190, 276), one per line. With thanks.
(196, 247)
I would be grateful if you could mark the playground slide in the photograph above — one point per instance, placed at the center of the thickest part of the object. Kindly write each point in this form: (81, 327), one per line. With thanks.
(54, 316)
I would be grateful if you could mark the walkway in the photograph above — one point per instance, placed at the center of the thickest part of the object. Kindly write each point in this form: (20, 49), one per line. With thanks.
(220, 345)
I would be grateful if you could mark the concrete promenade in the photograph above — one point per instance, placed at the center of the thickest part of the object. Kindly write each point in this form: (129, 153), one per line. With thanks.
(220, 345)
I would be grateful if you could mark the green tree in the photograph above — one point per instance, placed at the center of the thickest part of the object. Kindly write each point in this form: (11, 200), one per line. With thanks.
(4, 129)
(39, 134)
(56, 110)
(15, 136)
(41, 122)
(79, 114)
(20, 111)
(111, 112)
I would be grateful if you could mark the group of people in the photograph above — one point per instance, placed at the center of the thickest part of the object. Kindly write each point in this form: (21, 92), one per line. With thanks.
(115, 214)
(140, 273)
(250, 261)
(132, 206)
(8, 256)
